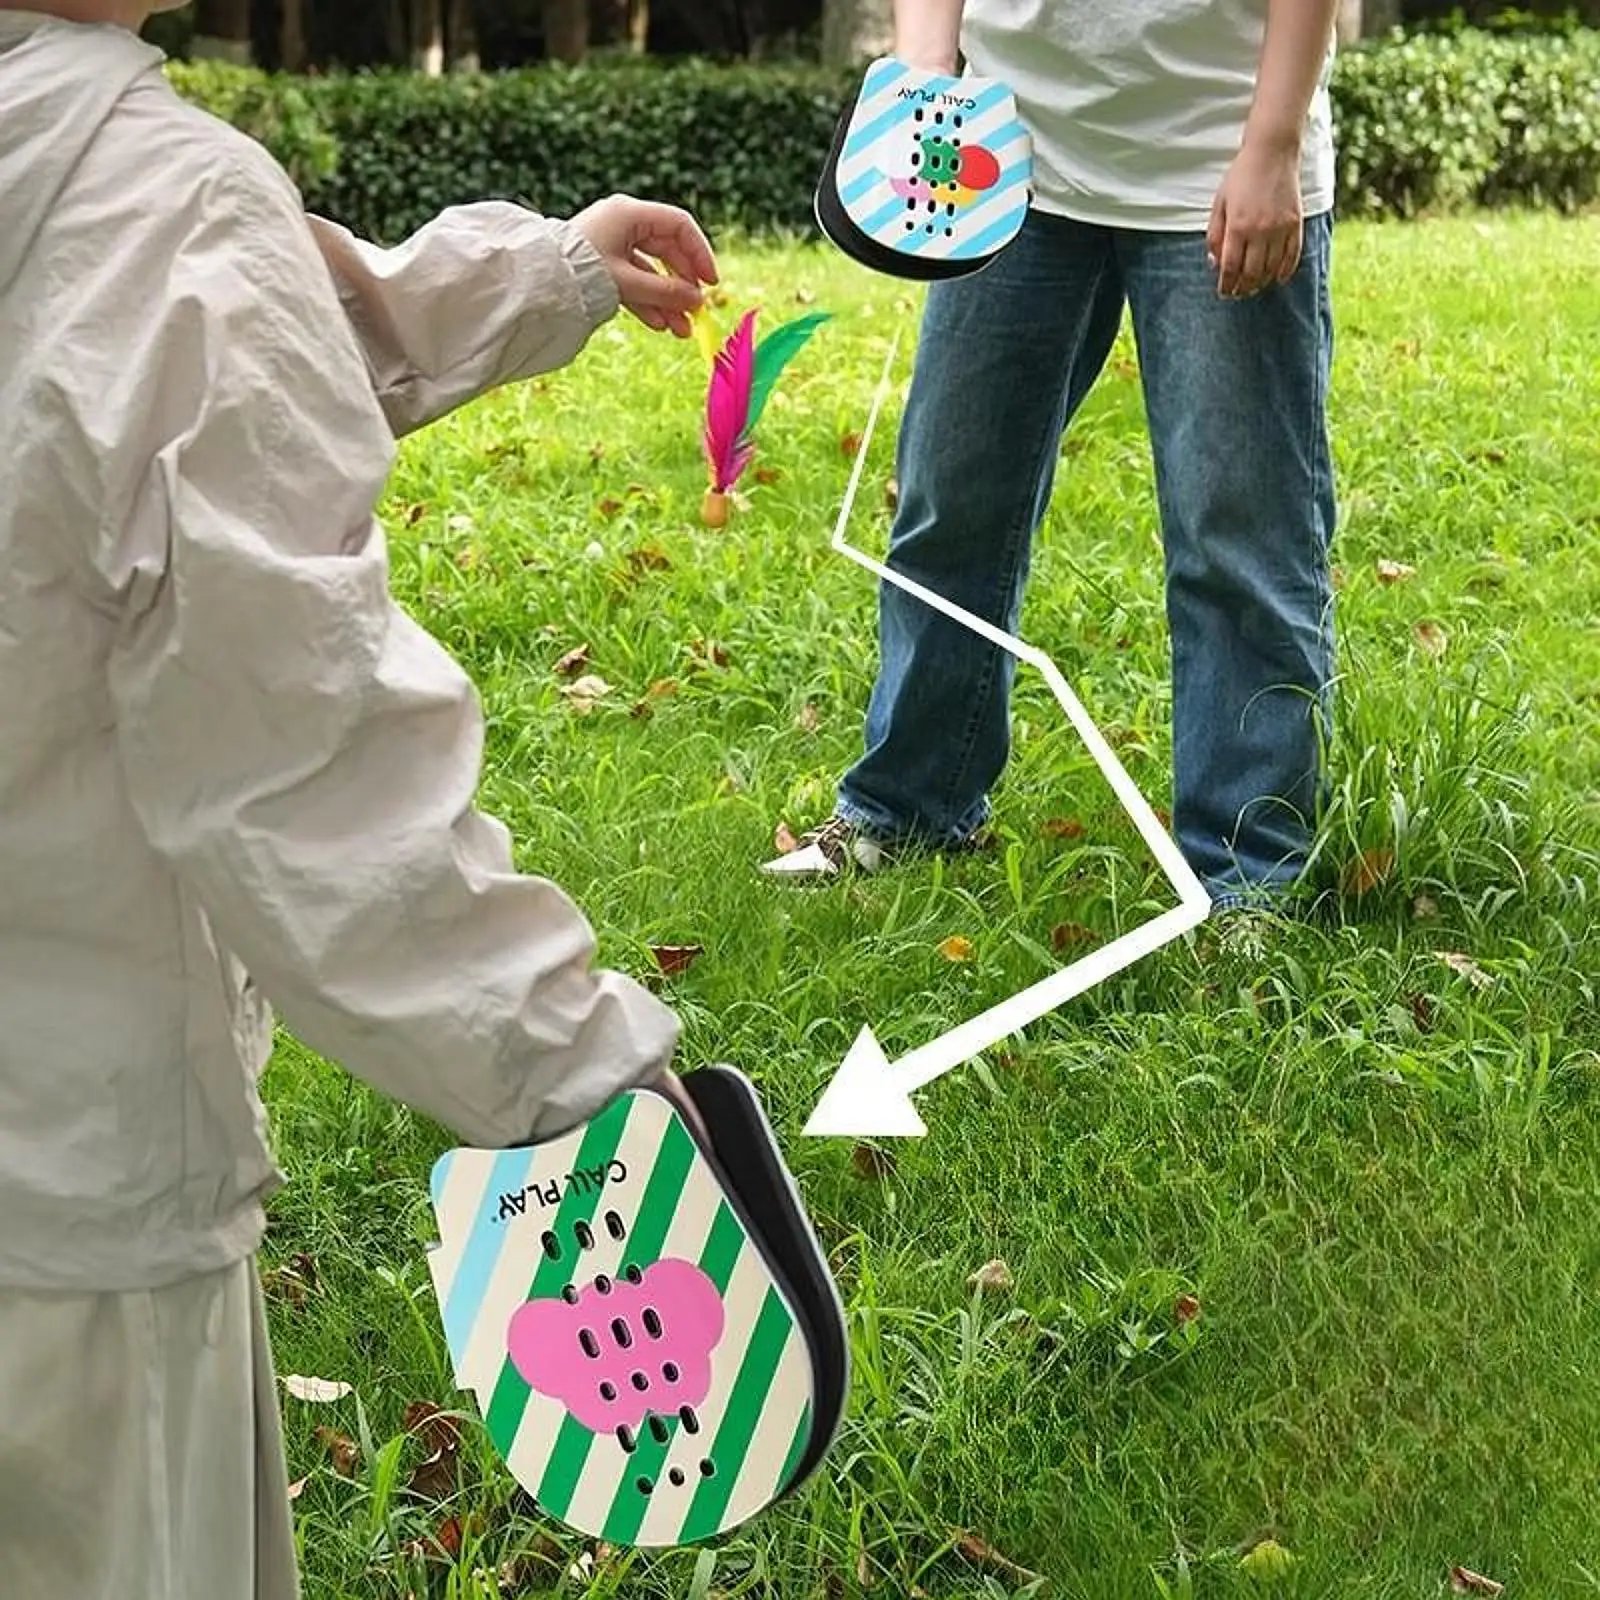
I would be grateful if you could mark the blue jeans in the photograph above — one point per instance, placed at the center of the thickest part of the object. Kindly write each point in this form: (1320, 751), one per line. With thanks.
(1235, 392)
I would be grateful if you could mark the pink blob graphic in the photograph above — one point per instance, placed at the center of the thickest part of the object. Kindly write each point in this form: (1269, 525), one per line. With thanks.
(911, 188)
(613, 1356)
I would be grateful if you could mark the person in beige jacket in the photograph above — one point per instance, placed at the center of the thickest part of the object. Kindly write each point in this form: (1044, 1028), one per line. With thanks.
(233, 772)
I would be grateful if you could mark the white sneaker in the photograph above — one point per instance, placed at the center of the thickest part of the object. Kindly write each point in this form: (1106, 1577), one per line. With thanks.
(828, 851)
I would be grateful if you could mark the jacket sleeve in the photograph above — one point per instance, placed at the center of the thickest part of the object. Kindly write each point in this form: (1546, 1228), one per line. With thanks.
(302, 754)
(483, 295)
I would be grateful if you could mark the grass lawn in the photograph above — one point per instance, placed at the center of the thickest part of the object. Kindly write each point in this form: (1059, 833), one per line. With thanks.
(1376, 1172)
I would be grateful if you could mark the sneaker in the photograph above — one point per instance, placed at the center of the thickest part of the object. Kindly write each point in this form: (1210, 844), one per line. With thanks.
(827, 851)
(839, 846)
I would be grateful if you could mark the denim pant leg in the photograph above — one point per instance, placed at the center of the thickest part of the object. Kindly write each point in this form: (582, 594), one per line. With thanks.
(1004, 359)
(1236, 396)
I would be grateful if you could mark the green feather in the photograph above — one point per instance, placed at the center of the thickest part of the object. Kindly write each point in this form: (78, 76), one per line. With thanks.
(773, 354)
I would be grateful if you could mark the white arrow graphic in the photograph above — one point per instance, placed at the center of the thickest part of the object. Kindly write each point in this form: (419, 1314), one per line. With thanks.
(868, 1097)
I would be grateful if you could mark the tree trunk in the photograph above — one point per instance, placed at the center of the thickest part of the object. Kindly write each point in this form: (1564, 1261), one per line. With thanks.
(222, 31)
(427, 37)
(856, 30)
(638, 26)
(628, 23)
(394, 32)
(462, 37)
(292, 36)
(566, 30)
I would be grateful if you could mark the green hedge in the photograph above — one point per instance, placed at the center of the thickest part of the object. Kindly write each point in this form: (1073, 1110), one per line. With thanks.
(1425, 123)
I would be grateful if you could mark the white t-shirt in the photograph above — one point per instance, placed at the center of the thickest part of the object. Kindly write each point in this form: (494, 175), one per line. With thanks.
(1137, 107)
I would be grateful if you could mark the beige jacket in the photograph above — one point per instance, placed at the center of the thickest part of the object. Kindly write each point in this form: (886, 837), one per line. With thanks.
(223, 749)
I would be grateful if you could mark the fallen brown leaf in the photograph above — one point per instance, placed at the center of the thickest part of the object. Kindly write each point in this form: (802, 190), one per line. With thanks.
(587, 693)
(342, 1450)
(1365, 873)
(1464, 1581)
(318, 1391)
(676, 958)
(649, 558)
(708, 650)
(438, 1477)
(1466, 966)
(1431, 639)
(872, 1162)
(610, 506)
(439, 1434)
(955, 948)
(1394, 571)
(1068, 934)
(1493, 458)
(285, 1284)
(993, 1277)
(863, 1570)
(850, 444)
(1063, 828)
(983, 1554)
(768, 475)
(783, 840)
(1186, 1309)
(891, 494)
(1422, 1012)
(808, 719)
(573, 662)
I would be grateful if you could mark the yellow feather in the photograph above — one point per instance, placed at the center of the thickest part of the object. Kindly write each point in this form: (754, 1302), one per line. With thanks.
(705, 334)
(700, 322)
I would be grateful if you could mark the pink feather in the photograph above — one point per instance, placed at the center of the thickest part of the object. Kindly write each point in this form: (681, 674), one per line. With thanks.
(728, 451)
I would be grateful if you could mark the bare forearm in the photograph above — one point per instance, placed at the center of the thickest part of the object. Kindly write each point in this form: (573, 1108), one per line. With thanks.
(927, 33)
(1296, 44)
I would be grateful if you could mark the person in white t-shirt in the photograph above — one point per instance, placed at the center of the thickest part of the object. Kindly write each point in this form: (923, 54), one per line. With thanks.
(1184, 158)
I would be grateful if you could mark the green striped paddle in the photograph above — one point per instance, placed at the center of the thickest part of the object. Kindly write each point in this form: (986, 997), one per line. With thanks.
(649, 1328)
